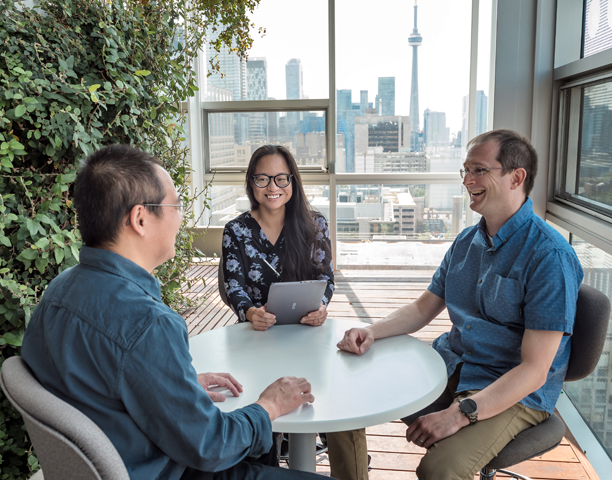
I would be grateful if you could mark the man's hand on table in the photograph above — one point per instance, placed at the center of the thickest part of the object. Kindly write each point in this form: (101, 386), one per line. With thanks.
(316, 318)
(428, 429)
(356, 340)
(260, 319)
(284, 396)
(208, 380)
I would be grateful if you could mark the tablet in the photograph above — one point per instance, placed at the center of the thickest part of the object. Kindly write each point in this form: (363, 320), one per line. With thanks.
(290, 301)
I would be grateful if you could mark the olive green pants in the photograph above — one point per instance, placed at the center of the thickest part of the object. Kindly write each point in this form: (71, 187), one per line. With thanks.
(348, 455)
(462, 455)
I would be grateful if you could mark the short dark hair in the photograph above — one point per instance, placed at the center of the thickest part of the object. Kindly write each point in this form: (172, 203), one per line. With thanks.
(515, 151)
(110, 182)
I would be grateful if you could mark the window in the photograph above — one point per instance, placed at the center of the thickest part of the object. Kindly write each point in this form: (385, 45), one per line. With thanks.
(586, 146)
(598, 27)
(233, 137)
(591, 395)
(288, 62)
(341, 101)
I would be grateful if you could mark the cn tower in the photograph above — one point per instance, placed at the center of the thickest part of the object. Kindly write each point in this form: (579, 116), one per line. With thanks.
(414, 41)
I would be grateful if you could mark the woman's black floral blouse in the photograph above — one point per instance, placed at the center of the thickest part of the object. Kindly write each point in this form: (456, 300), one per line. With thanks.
(248, 278)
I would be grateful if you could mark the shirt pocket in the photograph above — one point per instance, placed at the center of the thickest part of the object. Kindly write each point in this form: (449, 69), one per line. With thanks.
(503, 300)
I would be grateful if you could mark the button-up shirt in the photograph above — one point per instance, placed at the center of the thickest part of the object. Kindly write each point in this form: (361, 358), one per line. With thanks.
(102, 340)
(528, 279)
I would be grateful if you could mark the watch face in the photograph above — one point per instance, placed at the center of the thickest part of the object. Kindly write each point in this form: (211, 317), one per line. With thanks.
(468, 406)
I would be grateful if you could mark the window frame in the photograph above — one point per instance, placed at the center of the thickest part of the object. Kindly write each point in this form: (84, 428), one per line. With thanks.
(203, 173)
(574, 215)
(571, 102)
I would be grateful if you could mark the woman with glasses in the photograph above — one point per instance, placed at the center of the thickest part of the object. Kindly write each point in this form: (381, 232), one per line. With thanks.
(281, 239)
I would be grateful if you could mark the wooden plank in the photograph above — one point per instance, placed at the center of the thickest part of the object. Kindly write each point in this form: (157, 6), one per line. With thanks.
(212, 305)
(550, 470)
(580, 454)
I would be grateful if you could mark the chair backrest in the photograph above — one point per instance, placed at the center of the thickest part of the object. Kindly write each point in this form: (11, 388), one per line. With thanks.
(592, 317)
(68, 444)
(221, 282)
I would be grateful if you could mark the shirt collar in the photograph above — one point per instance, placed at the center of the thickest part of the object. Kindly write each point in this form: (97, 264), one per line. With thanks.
(511, 226)
(114, 263)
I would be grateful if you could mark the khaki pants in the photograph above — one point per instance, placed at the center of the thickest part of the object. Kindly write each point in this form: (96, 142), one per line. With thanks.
(348, 455)
(462, 455)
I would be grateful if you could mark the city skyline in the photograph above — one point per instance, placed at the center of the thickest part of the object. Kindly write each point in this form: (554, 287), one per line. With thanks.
(372, 44)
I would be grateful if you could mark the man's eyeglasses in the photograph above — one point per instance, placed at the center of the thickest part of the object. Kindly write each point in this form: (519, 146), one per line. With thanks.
(282, 180)
(180, 206)
(478, 171)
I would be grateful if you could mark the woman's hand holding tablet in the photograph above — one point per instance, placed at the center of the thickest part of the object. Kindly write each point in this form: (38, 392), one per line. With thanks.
(316, 318)
(261, 319)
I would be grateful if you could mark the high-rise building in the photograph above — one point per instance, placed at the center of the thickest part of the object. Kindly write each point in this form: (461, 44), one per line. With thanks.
(415, 41)
(386, 131)
(234, 80)
(363, 102)
(257, 89)
(257, 79)
(386, 96)
(481, 112)
(346, 126)
(294, 79)
(233, 67)
(435, 131)
(272, 118)
(481, 116)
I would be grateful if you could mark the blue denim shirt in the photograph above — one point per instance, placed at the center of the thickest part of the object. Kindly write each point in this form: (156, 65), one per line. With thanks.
(529, 279)
(102, 340)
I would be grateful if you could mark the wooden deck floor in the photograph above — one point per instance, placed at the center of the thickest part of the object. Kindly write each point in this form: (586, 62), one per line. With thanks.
(367, 296)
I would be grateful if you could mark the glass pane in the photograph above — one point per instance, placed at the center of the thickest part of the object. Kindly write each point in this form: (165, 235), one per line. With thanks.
(229, 201)
(235, 136)
(390, 226)
(598, 27)
(226, 202)
(411, 97)
(592, 395)
(290, 61)
(594, 179)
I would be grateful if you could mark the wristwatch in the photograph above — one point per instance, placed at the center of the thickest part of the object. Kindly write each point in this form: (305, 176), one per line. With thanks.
(469, 408)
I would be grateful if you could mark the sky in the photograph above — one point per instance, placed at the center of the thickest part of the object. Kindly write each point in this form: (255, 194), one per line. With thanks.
(372, 42)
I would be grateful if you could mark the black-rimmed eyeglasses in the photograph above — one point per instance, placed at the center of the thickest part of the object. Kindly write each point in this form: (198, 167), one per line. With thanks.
(478, 171)
(281, 180)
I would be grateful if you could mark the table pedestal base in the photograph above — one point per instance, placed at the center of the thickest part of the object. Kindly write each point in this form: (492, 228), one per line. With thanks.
(302, 448)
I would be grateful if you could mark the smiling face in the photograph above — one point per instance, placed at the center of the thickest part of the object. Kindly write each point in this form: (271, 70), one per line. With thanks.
(494, 192)
(272, 198)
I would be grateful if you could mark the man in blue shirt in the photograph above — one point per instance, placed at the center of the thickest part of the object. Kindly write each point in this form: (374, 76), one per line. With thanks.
(102, 340)
(510, 285)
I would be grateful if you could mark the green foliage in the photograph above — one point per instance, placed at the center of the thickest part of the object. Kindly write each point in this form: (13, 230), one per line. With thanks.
(76, 75)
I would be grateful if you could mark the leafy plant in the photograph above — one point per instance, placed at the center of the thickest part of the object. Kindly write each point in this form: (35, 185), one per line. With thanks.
(76, 75)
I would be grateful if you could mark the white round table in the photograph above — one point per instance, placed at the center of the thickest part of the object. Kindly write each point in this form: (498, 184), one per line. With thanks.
(396, 377)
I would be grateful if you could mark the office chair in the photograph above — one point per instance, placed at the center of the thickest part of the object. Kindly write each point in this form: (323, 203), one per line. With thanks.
(592, 317)
(221, 282)
(67, 443)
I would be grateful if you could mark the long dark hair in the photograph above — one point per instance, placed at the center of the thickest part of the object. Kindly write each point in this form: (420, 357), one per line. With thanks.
(300, 228)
